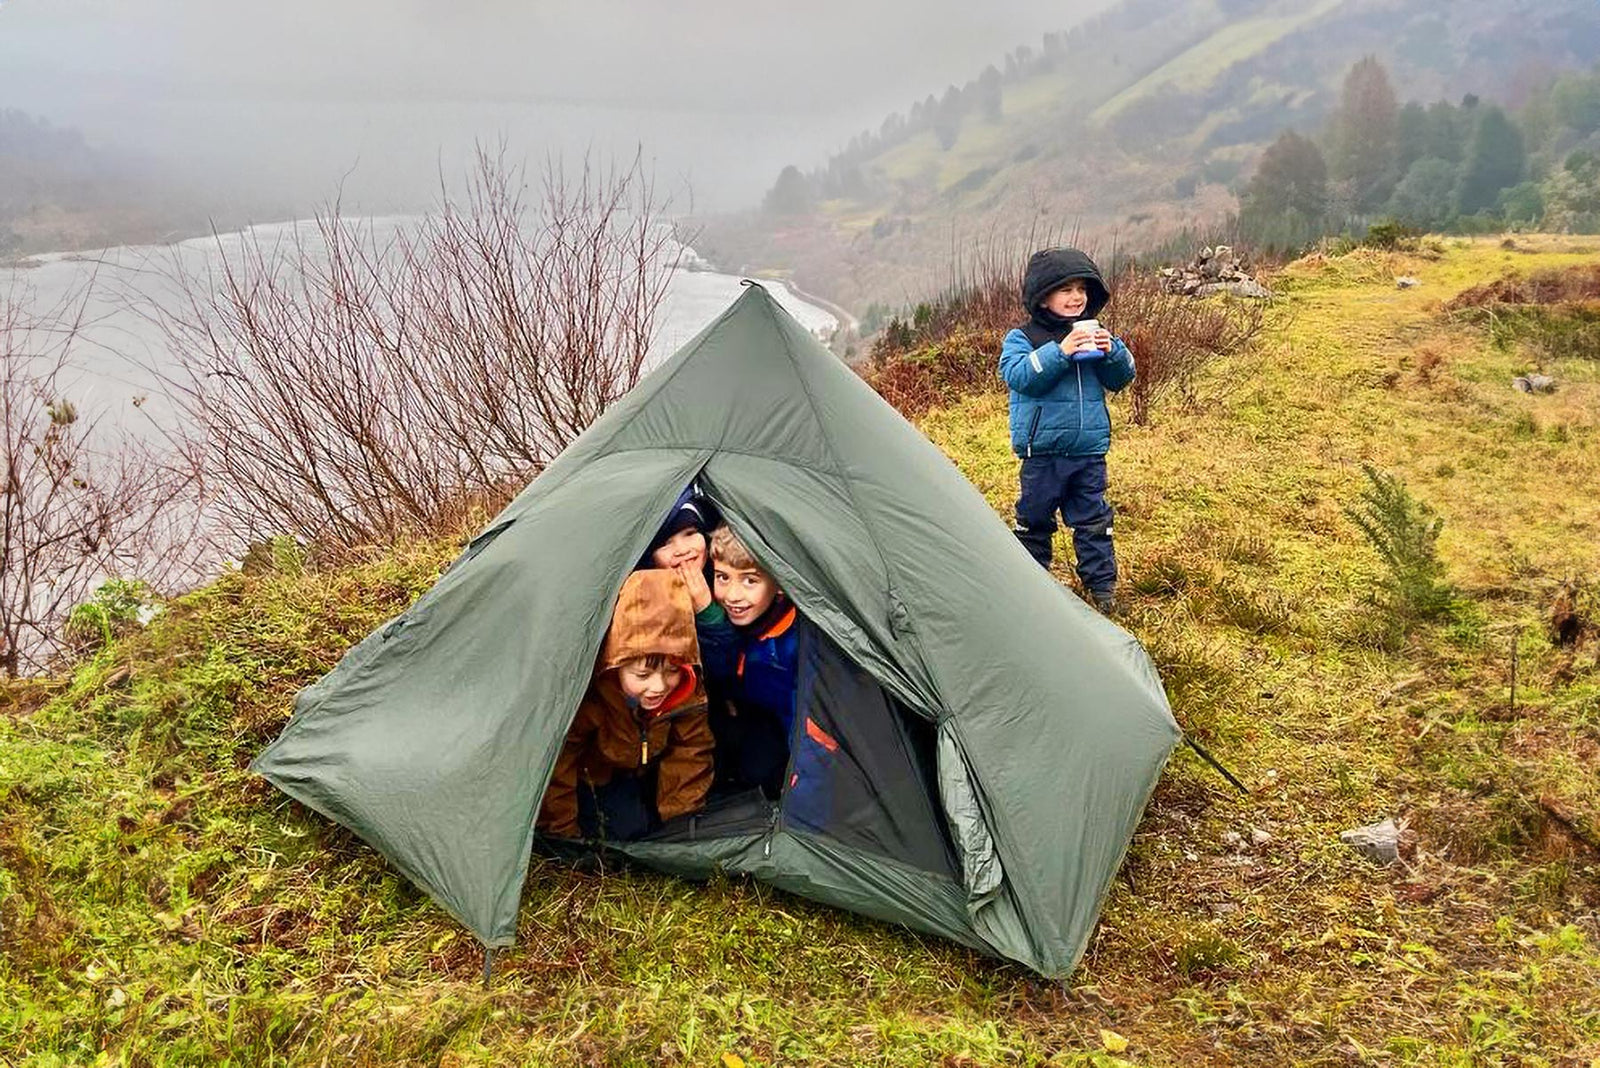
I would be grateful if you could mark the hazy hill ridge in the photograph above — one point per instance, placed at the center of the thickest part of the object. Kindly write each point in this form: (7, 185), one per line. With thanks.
(1137, 123)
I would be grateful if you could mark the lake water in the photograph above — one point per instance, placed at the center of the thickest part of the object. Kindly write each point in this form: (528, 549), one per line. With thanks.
(120, 349)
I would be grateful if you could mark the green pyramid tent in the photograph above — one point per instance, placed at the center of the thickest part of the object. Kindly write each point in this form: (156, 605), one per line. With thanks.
(1000, 739)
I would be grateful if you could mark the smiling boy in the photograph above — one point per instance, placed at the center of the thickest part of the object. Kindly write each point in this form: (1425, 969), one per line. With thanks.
(639, 751)
(1059, 373)
(754, 664)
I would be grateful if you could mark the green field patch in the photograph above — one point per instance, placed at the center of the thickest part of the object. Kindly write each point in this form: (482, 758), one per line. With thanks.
(1198, 66)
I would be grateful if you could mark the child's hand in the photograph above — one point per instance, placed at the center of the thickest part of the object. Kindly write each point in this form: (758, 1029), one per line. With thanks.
(695, 579)
(1080, 338)
(1102, 341)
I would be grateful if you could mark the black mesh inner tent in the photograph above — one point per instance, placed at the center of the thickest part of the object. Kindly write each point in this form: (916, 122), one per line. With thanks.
(861, 764)
(861, 771)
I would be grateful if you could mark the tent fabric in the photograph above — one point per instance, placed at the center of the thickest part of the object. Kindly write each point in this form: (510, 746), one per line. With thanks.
(1047, 726)
(877, 788)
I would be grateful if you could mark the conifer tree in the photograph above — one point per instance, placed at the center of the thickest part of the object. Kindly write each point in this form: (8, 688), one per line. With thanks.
(790, 195)
(1495, 160)
(1411, 136)
(1363, 134)
(1446, 132)
(947, 118)
(1287, 199)
(990, 93)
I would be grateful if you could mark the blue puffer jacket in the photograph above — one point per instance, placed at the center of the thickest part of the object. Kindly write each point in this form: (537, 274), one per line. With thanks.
(1058, 404)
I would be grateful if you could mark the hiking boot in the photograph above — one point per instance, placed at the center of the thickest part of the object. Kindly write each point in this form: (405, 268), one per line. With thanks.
(1106, 601)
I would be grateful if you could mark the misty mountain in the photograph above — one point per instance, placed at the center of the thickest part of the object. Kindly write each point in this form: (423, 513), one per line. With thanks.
(1139, 123)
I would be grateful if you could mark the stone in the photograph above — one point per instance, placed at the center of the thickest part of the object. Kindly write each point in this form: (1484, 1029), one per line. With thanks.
(1249, 289)
(1533, 384)
(1405, 281)
(1378, 842)
(1259, 837)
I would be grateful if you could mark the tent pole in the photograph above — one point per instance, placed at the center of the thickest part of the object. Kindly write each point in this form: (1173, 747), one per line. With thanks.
(488, 965)
(1209, 759)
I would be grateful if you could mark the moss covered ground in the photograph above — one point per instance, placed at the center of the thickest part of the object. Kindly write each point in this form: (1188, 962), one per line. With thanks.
(159, 905)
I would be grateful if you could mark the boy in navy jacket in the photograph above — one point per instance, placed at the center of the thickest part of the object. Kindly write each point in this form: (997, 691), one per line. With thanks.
(751, 655)
(1059, 374)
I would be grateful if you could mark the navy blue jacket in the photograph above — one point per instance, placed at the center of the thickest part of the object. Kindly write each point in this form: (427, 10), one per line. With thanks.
(756, 671)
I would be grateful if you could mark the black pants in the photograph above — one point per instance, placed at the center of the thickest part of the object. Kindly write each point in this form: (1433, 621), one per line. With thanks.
(621, 810)
(752, 751)
(1075, 486)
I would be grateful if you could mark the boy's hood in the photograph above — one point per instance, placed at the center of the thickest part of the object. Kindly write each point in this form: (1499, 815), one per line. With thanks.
(653, 615)
(1050, 268)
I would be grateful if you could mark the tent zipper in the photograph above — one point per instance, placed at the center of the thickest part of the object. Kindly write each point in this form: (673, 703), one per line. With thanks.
(795, 730)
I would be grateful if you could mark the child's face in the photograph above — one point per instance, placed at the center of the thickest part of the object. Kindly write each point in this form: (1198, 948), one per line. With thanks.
(648, 686)
(687, 546)
(743, 592)
(1069, 300)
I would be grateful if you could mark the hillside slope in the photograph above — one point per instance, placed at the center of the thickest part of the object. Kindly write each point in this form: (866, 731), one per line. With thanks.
(1129, 128)
(158, 905)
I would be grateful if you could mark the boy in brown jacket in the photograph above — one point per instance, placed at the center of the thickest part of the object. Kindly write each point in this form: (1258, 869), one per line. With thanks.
(640, 749)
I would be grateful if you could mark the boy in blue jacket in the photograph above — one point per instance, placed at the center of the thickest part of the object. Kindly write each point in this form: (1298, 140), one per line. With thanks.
(751, 654)
(1059, 373)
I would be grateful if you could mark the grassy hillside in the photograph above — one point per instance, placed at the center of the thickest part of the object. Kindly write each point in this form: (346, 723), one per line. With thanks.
(1197, 67)
(158, 905)
(1138, 125)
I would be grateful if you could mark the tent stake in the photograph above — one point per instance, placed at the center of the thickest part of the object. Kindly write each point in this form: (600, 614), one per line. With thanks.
(488, 965)
(1209, 759)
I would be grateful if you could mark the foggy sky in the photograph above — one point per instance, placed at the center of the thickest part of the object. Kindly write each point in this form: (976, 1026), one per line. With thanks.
(287, 98)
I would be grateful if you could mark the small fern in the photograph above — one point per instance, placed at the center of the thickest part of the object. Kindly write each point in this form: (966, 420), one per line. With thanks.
(1404, 531)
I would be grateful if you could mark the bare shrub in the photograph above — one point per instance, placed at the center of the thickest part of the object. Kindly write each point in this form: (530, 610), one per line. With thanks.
(1173, 337)
(347, 391)
(1573, 284)
(78, 503)
(949, 347)
(940, 373)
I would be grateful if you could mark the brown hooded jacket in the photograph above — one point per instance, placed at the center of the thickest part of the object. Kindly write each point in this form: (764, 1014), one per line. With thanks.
(609, 737)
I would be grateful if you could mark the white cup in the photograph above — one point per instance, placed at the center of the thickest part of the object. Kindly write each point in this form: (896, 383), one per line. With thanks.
(1090, 325)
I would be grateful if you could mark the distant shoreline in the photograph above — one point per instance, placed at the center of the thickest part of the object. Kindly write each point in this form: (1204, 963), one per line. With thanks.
(847, 322)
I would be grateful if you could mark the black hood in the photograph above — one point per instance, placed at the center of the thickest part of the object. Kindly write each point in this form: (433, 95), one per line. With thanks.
(1049, 269)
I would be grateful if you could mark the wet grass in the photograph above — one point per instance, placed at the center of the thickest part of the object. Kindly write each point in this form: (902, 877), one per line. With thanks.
(158, 905)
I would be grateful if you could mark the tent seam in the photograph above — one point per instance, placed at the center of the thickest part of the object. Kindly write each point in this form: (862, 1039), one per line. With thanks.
(849, 489)
(644, 402)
